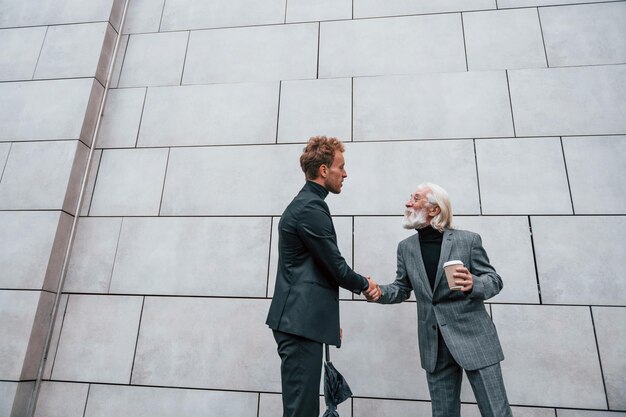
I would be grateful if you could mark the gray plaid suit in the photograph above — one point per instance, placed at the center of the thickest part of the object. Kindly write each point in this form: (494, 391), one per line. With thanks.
(466, 336)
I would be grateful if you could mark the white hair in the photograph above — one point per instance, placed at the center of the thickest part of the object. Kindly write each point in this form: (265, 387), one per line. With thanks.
(436, 195)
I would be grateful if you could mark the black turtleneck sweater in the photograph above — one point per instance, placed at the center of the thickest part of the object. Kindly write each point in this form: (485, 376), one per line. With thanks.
(430, 245)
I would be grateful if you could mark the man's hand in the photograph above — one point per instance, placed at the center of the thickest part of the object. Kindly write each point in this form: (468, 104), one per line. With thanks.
(373, 292)
(463, 277)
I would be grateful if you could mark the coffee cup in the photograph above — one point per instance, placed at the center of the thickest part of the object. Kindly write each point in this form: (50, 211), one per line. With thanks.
(450, 268)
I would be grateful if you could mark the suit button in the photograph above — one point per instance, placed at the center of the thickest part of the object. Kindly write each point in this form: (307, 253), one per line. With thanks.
(434, 327)
(434, 303)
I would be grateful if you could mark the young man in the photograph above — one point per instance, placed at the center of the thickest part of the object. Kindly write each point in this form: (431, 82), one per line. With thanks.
(304, 313)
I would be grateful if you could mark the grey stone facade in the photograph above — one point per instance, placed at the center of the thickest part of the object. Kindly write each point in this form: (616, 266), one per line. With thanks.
(516, 107)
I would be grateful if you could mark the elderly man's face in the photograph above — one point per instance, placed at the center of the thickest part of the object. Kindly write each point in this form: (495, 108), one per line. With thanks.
(416, 211)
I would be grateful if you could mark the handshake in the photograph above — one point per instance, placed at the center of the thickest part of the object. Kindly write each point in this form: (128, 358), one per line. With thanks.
(373, 291)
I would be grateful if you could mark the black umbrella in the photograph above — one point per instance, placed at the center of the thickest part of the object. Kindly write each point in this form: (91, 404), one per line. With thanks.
(336, 389)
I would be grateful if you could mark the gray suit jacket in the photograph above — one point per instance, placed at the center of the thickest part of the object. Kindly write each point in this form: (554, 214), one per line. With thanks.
(465, 325)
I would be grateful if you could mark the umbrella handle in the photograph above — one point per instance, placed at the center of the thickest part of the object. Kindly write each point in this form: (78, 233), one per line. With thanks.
(327, 353)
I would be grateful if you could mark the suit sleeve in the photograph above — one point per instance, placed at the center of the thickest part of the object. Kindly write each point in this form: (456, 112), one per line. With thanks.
(487, 282)
(317, 232)
(399, 290)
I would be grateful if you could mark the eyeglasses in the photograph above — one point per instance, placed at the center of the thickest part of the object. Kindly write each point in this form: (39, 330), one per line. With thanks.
(416, 197)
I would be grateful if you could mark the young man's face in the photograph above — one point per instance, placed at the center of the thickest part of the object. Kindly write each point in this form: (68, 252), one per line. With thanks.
(335, 174)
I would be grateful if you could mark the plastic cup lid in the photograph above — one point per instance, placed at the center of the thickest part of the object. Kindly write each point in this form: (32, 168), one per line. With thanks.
(452, 263)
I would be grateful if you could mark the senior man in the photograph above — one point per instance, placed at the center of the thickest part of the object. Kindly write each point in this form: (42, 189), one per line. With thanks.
(455, 332)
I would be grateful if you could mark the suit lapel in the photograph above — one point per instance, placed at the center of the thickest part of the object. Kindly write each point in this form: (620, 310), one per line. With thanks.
(419, 265)
(446, 247)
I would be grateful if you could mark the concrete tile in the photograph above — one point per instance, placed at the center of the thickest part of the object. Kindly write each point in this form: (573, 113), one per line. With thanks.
(73, 51)
(373, 8)
(56, 334)
(343, 228)
(20, 51)
(143, 16)
(154, 59)
(75, 182)
(597, 182)
(306, 11)
(398, 373)
(279, 52)
(375, 246)
(42, 175)
(92, 113)
(503, 39)
(190, 186)
(98, 339)
(271, 405)
(401, 45)
(588, 413)
(28, 256)
(57, 254)
(217, 114)
(365, 407)
(4, 154)
(569, 101)
(111, 400)
(24, 325)
(93, 255)
(432, 106)
(119, 60)
(402, 167)
(17, 398)
(7, 395)
(315, 107)
(177, 345)
(130, 182)
(610, 327)
(61, 399)
(115, 18)
(193, 256)
(552, 376)
(199, 14)
(91, 181)
(508, 243)
(471, 410)
(574, 37)
(45, 109)
(563, 251)
(120, 122)
(505, 4)
(18, 311)
(522, 176)
(51, 12)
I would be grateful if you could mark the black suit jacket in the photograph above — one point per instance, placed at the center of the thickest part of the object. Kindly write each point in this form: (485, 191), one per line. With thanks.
(310, 270)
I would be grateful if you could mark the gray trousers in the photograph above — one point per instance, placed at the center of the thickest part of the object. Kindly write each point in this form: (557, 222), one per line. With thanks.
(300, 373)
(444, 384)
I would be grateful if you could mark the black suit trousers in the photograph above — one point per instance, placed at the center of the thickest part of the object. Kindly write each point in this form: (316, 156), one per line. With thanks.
(301, 370)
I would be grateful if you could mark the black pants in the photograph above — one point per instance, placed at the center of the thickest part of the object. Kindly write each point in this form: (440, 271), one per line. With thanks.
(300, 371)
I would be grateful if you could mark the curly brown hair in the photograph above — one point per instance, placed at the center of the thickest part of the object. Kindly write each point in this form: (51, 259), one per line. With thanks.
(319, 151)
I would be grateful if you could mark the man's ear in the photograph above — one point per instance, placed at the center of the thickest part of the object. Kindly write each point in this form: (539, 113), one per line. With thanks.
(434, 210)
(323, 171)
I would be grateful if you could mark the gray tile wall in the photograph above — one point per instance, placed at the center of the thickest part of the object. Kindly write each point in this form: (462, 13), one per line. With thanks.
(55, 58)
(515, 107)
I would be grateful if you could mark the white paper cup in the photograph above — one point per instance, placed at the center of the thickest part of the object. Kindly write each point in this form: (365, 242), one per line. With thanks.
(450, 268)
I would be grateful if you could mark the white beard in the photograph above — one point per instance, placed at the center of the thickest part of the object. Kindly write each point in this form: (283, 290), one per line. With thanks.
(414, 220)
